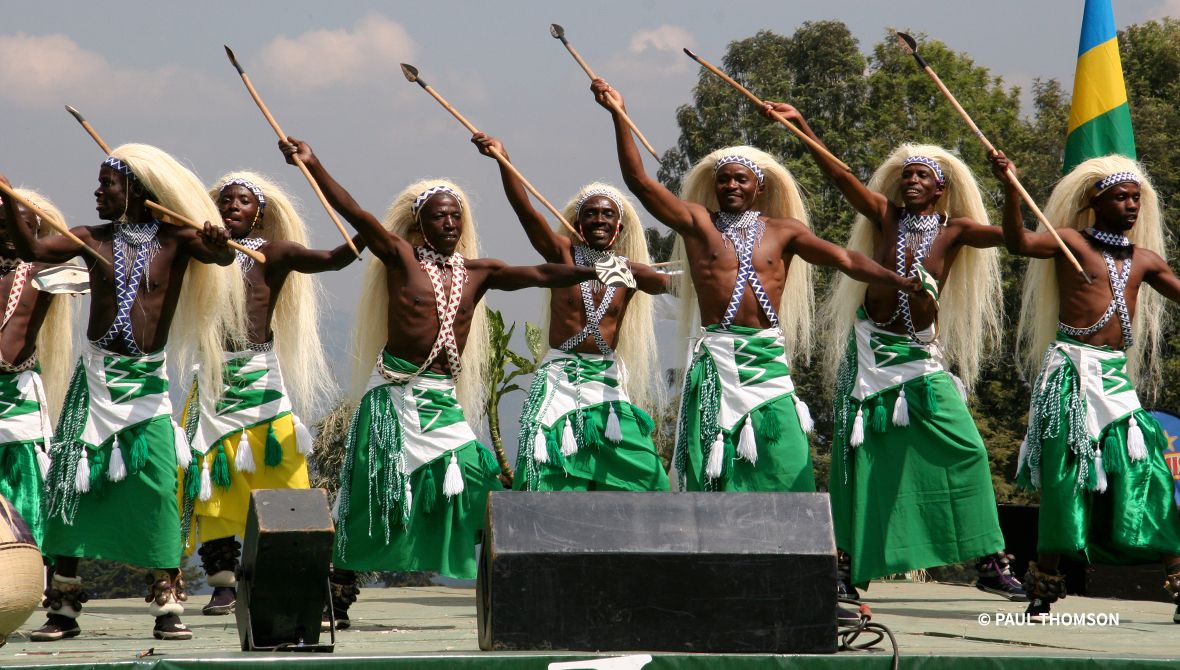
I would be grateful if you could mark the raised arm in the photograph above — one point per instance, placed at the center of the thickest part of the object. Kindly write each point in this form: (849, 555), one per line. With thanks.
(504, 277)
(381, 241)
(1018, 239)
(651, 281)
(544, 239)
(860, 267)
(656, 199)
(870, 203)
(1158, 275)
(30, 248)
(210, 246)
(975, 234)
(285, 256)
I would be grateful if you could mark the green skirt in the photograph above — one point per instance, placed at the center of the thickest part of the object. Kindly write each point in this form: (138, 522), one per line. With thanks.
(631, 464)
(914, 496)
(135, 520)
(20, 482)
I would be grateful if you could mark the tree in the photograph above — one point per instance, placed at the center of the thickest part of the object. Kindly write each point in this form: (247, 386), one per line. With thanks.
(501, 382)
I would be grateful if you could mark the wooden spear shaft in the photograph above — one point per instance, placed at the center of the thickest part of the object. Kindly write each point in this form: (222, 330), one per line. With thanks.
(283, 138)
(184, 220)
(61, 227)
(411, 73)
(559, 32)
(775, 115)
(905, 42)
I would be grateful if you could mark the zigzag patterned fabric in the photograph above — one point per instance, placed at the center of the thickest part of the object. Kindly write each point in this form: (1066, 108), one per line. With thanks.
(142, 238)
(928, 162)
(1118, 301)
(430, 193)
(14, 293)
(744, 231)
(584, 257)
(245, 263)
(1116, 178)
(238, 181)
(915, 233)
(744, 162)
(431, 263)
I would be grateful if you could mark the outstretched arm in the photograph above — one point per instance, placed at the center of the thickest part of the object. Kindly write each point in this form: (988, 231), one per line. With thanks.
(860, 267)
(662, 203)
(648, 280)
(974, 234)
(210, 246)
(506, 277)
(1018, 239)
(543, 238)
(1159, 276)
(869, 203)
(29, 247)
(291, 256)
(381, 241)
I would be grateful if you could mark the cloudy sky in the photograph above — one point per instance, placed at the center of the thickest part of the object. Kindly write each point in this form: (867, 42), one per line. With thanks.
(155, 72)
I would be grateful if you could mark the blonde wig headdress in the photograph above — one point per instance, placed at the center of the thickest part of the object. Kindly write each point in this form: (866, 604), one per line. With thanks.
(970, 297)
(780, 199)
(55, 341)
(1069, 207)
(637, 341)
(211, 307)
(295, 323)
(372, 318)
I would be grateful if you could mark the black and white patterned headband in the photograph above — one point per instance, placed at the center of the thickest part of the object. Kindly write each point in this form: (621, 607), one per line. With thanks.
(122, 167)
(238, 181)
(606, 193)
(928, 162)
(430, 193)
(1114, 179)
(744, 162)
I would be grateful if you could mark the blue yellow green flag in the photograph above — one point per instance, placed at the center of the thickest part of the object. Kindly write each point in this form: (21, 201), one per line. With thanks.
(1099, 120)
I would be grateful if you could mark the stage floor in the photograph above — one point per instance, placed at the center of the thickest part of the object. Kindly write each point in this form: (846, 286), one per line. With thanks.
(929, 620)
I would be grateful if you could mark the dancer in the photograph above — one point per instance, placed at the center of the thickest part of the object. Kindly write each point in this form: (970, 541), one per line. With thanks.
(582, 428)
(890, 357)
(252, 438)
(414, 484)
(111, 489)
(1091, 449)
(36, 342)
(741, 223)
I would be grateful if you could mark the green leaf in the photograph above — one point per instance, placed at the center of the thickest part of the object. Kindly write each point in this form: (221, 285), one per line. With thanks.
(509, 389)
(520, 361)
(535, 338)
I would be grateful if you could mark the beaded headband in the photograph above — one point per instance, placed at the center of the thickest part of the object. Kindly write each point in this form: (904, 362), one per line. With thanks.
(744, 162)
(1116, 178)
(606, 193)
(248, 184)
(928, 162)
(430, 193)
(120, 166)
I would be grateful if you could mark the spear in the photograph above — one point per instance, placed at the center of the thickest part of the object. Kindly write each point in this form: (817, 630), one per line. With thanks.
(910, 46)
(411, 73)
(177, 219)
(559, 33)
(773, 114)
(283, 138)
(61, 227)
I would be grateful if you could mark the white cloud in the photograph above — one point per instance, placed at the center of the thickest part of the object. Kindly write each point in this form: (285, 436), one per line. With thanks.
(1170, 8)
(665, 38)
(320, 58)
(655, 53)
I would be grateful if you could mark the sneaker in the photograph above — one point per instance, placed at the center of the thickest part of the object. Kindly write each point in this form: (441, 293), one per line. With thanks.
(57, 627)
(996, 578)
(846, 590)
(222, 601)
(169, 627)
(1037, 607)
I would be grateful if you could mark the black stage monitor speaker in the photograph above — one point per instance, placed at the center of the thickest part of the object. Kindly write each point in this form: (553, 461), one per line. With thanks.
(283, 580)
(671, 572)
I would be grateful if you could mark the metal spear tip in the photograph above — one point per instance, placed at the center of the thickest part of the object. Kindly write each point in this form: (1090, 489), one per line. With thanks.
(690, 54)
(233, 59)
(556, 31)
(908, 44)
(411, 72)
(76, 114)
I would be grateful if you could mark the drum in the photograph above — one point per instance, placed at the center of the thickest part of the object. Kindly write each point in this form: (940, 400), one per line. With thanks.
(22, 577)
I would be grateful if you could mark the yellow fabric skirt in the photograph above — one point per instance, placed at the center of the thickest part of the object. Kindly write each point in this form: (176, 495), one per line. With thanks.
(224, 514)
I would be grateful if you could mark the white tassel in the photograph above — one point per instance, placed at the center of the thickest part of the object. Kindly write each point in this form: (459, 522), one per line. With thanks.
(747, 448)
(82, 477)
(1022, 455)
(336, 506)
(118, 469)
(1136, 446)
(184, 456)
(614, 430)
(858, 429)
(304, 442)
(569, 443)
(901, 410)
(1100, 471)
(716, 458)
(43, 461)
(244, 457)
(804, 412)
(206, 482)
(453, 481)
(540, 447)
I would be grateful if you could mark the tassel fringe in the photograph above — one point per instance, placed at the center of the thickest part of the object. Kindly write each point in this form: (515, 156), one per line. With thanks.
(184, 453)
(43, 462)
(747, 447)
(118, 470)
(804, 412)
(453, 482)
(901, 409)
(1136, 445)
(274, 450)
(880, 423)
(244, 456)
(206, 490)
(304, 442)
(569, 443)
(646, 424)
(220, 475)
(429, 491)
(771, 428)
(1101, 483)
(540, 446)
(858, 428)
(614, 429)
(716, 457)
(82, 478)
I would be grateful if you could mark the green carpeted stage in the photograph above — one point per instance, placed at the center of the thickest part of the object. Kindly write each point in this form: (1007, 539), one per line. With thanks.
(433, 628)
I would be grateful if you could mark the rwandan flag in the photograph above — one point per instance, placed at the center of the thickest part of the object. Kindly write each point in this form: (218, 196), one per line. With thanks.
(1099, 120)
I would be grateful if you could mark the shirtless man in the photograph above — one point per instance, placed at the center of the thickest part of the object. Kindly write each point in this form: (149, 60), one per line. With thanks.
(1093, 451)
(419, 504)
(582, 428)
(278, 373)
(112, 480)
(890, 358)
(741, 227)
